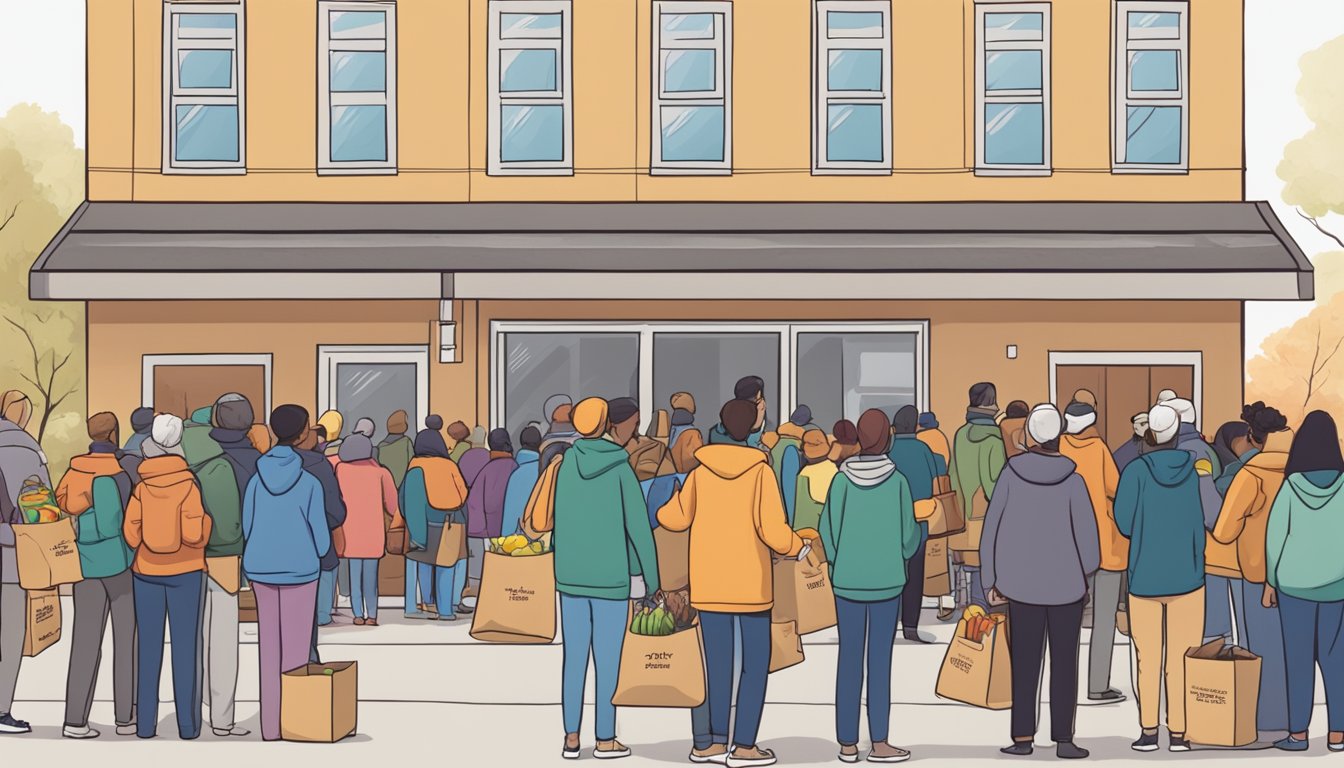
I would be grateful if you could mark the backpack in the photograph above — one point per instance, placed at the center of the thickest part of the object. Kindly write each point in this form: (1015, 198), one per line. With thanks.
(222, 499)
(161, 524)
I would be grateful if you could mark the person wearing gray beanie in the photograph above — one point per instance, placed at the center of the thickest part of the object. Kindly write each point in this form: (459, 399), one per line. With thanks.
(142, 419)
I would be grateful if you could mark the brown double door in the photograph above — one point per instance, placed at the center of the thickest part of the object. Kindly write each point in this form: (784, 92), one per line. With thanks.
(1122, 391)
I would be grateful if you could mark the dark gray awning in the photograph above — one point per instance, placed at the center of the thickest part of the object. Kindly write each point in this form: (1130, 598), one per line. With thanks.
(1024, 250)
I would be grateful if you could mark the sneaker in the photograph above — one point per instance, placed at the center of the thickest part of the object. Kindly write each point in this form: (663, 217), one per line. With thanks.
(449, 617)
(1147, 743)
(1335, 747)
(849, 753)
(1019, 748)
(230, 731)
(571, 752)
(370, 622)
(716, 754)
(1291, 744)
(749, 757)
(463, 609)
(419, 615)
(8, 724)
(1179, 743)
(611, 750)
(946, 614)
(883, 752)
(359, 622)
(71, 732)
(1109, 696)
(126, 729)
(915, 636)
(1067, 750)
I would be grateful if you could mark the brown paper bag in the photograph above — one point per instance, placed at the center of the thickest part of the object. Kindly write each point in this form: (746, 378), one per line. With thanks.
(979, 674)
(316, 706)
(516, 603)
(803, 594)
(666, 671)
(937, 580)
(452, 545)
(226, 571)
(1222, 691)
(47, 554)
(947, 518)
(674, 558)
(43, 622)
(968, 539)
(786, 646)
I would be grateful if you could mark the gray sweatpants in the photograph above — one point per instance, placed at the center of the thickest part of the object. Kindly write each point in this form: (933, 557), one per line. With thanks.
(95, 601)
(13, 628)
(476, 559)
(1106, 588)
(219, 633)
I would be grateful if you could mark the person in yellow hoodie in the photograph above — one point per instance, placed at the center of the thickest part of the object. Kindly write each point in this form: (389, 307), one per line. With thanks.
(1082, 443)
(1242, 523)
(814, 480)
(732, 506)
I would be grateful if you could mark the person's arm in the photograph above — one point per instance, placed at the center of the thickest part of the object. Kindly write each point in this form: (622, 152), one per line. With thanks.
(1126, 507)
(911, 534)
(1210, 501)
(414, 507)
(131, 527)
(998, 503)
(679, 512)
(939, 464)
(1240, 500)
(832, 516)
(994, 461)
(333, 502)
(315, 514)
(1276, 535)
(390, 499)
(772, 527)
(1083, 519)
(637, 530)
(249, 508)
(1110, 474)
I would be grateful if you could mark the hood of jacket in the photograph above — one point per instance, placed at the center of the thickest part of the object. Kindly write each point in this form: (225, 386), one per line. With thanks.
(231, 438)
(868, 471)
(165, 471)
(729, 461)
(1169, 467)
(1042, 468)
(594, 456)
(198, 447)
(280, 469)
(527, 456)
(719, 436)
(1274, 456)
(789, 429)
(96, 464)
(1312, 495)
(980, 431)
(14, 436)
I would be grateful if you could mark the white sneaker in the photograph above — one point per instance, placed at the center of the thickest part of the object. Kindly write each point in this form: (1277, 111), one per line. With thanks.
(79, 733)
(230, 731)
(126, 730)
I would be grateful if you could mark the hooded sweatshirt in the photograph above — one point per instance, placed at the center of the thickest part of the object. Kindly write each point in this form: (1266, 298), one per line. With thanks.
(1189, 439)
(1097, 467)
(395, 453)
(333, 505)
(814, 484)
(1245, 513)
(370, 503)
(519, 489)
(96, 491)
(223, 483)
(20, 458)
(868, 512)
(284, 521)
(1161, 506)
(601, 528)
(485, 502)
(732, 507)
(937, 442)
(166, 488)
(1040, 541)
(1302, 541)
(977, 459)
(433, 488)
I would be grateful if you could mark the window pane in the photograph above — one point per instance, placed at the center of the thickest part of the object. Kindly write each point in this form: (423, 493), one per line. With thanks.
(529, 25)
(539, 365)
(1013, 70)
(529, 69)
(362, 71)
(207, 133)
(359, 133)
(1153, 135)
(708, 365)
(853, 24)
(686, 71)
(531, 133)
(374, 391)
(1154, 71)
(841, 375)
(358, 25)
(693, 133)
(854, 70)
(206, 24)
(205, 69)
(688, 26)
(1014, 134)
(1014, 26)
(854, 133)
(1153, 24)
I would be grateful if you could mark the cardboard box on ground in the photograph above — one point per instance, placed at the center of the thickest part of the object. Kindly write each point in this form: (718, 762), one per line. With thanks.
(319, 702)
(1222, 691)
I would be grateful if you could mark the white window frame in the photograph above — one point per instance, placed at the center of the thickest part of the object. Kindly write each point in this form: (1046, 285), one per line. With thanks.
(1193, 360)
(326, 100)
(983, 98)
(1123, 46)
(234, 96)
(822, 96)
(330, 355)
(788, 349)
(564, 97)
(722, 95)
(150, 362)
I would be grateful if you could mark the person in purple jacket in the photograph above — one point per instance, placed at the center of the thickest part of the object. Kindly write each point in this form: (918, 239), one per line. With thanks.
(485, 498)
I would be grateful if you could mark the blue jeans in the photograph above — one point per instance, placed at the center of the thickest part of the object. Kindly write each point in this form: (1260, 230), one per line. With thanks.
(364, 587)
(702, 734)
(719, 646)
(1223, 608)
(443, 583)
(177, 602)
(874, 623)
(1313, 633)
(413, 596)
(1263, 636)
(596, 626)
(326, 596)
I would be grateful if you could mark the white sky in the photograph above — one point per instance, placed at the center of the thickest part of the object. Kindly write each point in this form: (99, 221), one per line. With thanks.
(42, 60)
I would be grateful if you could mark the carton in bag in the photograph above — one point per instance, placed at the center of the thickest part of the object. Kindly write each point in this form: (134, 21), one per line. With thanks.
(662, 670)
(516, 603)
(319, 702)
(978, 672)
(47, 554)
(1222, 691)
(803, 593)
(43, 628)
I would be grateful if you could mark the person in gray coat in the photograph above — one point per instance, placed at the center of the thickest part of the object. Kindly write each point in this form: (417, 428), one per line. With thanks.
(1039, 547)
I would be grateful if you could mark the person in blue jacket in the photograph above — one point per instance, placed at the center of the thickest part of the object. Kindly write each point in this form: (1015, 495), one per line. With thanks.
(521, 482)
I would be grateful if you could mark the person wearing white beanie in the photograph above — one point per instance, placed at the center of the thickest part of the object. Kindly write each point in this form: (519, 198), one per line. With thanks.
(1163, 424)
(165, 436)
(1044, 424)
(1165, 396)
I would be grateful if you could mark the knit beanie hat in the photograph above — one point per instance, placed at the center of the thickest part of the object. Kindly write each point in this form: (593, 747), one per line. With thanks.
(984, 395)
(499, 440)
(590, 417)
(1184, 408)
(233, 411)
(815, 446)
(398, 423)
(102, 427)
(1166, 395)
(928, 420)
(1044, 423)
(433, 421)
(457, 430)
(683, 401)
(802, 416)
(289, 421)
(1163, 423)
(1078, 417)
(365, 427)
(356, 447)
(333, 422)
(621, 409)
(165, 436)
(141, 420)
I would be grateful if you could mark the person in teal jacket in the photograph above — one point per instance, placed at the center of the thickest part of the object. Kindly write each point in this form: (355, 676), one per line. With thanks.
(601, 537)
(868, 514)
(917, 462)
(1305, 575)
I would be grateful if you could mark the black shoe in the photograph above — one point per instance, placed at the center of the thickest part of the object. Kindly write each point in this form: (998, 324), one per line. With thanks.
(1019, 748)
(914, 636)
(1179, 743)
(462, 610)
(8, 724)
(1067, 750)
(1109, 696)
(1146, 743)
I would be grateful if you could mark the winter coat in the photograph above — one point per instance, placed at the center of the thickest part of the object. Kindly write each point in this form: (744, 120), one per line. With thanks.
(1303, 540)
(1127, 453)
(1162, 505)
(1097, 467)
(333, 506)
(814, 483)
(222, 481)
(20, 458)
(1245, 513)
(1014, 433)
(395, 453)
(869, 513)
(370, 506)
(977, 459)
(732, 507)
(519, 490)
(485, 501)
(95, 491)
(167, 483)
(937, 442)
(916, 461)
(1040, 540)
(284, 521)
(1230, 470)
(432, 489)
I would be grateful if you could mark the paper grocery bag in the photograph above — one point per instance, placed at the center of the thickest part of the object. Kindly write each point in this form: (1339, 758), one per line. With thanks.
(937, 580)
(786, 646)
(666, 671)
(968, 538)
(226, 572)
(947, 518)
(516, 603)
(47, 554)
(979, 674)
(674, 558)
(452, 547)
(803, 594)
(317, 706)
(43, 628)
(1222, 690)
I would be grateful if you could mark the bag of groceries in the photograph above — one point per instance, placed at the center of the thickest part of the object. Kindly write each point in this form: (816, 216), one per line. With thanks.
(786, 646)
(43, 621)
(516, 603)
(977, 669)
(47, 554)
(947, 517)
(37, 502)
(968, 538)
(662, 664)
(803, 593)
(1222, 692)
(937, 579)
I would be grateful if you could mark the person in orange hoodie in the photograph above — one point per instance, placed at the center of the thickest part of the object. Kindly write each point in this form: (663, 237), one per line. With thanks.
(167, 527)
(934, 437)
(1082, 444)
(1242, 522)
(370, 496)
(732, 545)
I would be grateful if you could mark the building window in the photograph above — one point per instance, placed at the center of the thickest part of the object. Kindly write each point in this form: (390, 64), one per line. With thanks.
(535, 364)
(373, 381)
(707, 362)
(357, 87)
(1152, 86)
(1012, 76)
(843, 372)
(692, 108)
(531, 104)
(203, 109)
(851, 86)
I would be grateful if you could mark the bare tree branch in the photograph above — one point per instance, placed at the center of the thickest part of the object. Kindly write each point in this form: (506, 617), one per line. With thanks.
(10, 217)
(45, 390)
(1317, 224)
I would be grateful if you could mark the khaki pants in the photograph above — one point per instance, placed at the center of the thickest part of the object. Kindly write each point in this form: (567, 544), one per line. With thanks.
(1180, 620)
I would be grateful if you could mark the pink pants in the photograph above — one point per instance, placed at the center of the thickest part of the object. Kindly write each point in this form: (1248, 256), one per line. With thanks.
(285, 616)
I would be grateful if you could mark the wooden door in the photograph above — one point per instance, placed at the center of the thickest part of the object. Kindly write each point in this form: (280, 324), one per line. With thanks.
(181, 389)
(1122, 391)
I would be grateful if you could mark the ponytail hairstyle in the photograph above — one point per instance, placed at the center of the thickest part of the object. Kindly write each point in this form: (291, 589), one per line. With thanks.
(1265, 421)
